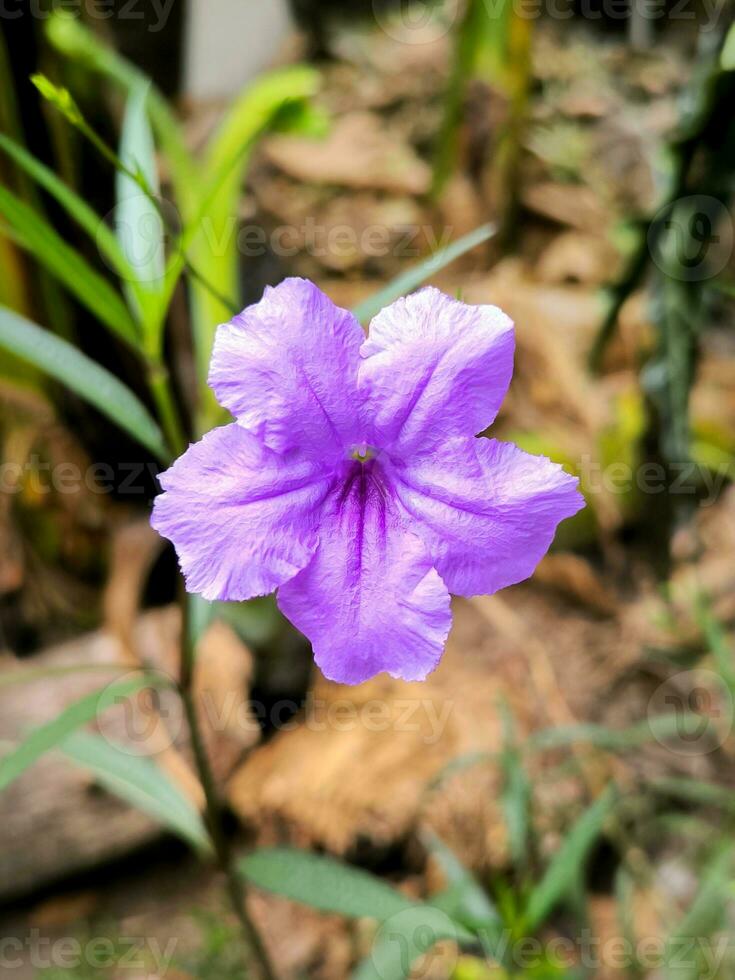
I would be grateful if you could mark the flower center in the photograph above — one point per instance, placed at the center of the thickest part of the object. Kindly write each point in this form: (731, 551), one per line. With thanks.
(363, 453)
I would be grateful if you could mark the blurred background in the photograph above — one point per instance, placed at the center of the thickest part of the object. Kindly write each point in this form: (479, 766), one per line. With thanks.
(559, 796)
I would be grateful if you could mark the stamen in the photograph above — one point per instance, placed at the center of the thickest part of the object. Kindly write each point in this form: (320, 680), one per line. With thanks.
(362, 453)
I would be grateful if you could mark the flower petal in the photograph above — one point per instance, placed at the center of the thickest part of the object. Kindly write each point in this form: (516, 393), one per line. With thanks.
(286, 368)
(487, 510)
(241, 517)
(433, 368)
(370, 600)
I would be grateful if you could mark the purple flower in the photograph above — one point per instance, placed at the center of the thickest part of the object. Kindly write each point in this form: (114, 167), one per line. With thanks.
(353, 481)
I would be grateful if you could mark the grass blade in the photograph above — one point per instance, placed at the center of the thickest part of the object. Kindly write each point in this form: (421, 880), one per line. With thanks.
(257, 110)
(323, 883)
(140, 782)
(563, 872)
(684, 959)
(68, 35)
(97, 385)
(415, 277)
(138, 224)
(77, 208)
(35, 235)
(48, 736)
(403, 939)
(464, 899)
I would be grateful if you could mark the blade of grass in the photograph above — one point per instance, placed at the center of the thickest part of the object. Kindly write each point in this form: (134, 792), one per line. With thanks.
(63, 362)
(67, 34)
(656, 728)
(73, 204)
(695, 791)
(716, 639)
(138, 224)
(140, 782)
(323, 883)
(413, 278)
(35, 235)
(464, 900)
(515, 797)
(256, 111)
(706, 915)
(48, 736)
(563, 872)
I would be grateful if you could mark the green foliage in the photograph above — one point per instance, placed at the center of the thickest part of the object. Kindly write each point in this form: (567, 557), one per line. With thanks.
(727, 58)
(34, 234)
(266, 105)
(410, 280)
(515, 797)
(706, 916)
(138, 224)
(563, 874)
(59, 97)
(64, 363)
(221, 952)
(463, 900)
(50, 735)
(323, 882)
(140, 782)
(74, 205)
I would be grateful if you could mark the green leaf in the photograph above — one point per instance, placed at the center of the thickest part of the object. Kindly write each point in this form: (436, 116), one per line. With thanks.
(35, 235)
(323, 883)
(563, 872)
(59, 97)
(695, 791)
(81, 374)
(140, 782)
(403, 938)
(717, 642)
(408, 281)
(259, 108)
(77, 208)
(81, 46)
(705, 916)
(727, 58)
(464, 900)
(515, 796)
(48, 736)
(138, 224)
(659, 727)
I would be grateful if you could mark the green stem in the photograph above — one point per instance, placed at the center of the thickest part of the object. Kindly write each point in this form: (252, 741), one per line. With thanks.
(213, 805)
(159, 383)
(709, 104)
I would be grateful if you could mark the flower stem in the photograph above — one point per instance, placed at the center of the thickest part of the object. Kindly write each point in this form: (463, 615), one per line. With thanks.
(168, 413)
(213, 806)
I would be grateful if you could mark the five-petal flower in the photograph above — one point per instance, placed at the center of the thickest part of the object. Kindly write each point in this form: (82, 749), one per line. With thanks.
(352, 480)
